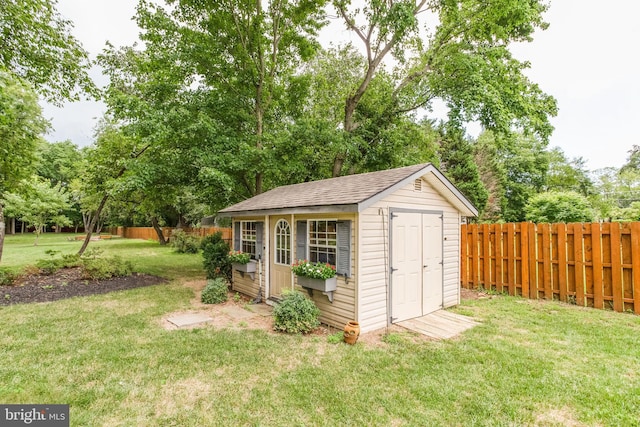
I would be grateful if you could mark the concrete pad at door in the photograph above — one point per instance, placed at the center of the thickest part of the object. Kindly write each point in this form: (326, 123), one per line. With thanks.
(191, 319)
(237, 313)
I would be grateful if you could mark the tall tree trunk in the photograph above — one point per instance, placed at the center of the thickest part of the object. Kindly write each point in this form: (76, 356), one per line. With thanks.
(156, 226)
(92, 224)
(12, 227)
(1, 229)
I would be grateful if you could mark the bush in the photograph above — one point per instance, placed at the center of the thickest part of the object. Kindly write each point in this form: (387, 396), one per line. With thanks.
(185, 243)
(215, 292)
(215, 251)
(7, 277)
(104, 268)
(296, 314)
(558, 207)
(50, 266)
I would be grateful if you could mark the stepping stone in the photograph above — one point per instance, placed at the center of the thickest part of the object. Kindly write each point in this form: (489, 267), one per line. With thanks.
(261, 309)
(192, 319)
(237, 313)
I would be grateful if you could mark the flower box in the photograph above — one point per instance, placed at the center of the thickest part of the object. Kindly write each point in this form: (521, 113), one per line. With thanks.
(249, 267)
(322, 285)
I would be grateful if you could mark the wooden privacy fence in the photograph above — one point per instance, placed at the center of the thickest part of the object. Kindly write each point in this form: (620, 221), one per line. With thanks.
(591, 264)
(149, 233)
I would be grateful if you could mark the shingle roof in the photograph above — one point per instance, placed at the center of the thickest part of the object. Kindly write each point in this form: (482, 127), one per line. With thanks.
(344, 190)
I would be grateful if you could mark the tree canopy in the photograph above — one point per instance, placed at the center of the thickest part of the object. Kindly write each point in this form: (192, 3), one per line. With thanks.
(37, 46)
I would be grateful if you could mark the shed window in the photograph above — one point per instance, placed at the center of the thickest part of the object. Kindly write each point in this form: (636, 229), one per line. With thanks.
(283, 243)
(323, 241)
(248, 237)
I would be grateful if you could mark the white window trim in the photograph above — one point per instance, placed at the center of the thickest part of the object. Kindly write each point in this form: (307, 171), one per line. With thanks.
(242, 240)
(309, 221)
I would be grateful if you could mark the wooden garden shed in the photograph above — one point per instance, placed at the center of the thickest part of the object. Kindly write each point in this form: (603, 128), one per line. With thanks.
(393, 235)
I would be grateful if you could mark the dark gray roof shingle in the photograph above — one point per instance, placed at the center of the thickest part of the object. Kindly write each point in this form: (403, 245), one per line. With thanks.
(344, 190)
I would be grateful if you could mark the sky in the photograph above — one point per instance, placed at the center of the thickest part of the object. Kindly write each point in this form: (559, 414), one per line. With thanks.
(587, 59)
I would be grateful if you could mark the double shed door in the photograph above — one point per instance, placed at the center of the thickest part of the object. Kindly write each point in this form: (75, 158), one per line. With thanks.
(416, 261)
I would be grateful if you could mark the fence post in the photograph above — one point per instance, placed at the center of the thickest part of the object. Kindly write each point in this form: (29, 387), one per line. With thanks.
(463, 257)
(499, 254)
(562, 262)
(616, 267)
(475, 257)
(546, 261)
(635, 256)
(511, 259)
(598, 284)
(486, 256)
(533, 261)
(524, 258)
(579, 262)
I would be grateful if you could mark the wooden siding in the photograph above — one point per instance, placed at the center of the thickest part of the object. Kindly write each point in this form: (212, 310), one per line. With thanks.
(246, 285)
(374, 251)
(343, 308)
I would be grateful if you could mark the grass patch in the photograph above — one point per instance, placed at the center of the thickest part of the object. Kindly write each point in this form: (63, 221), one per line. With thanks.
(147, 256)
(107, 356)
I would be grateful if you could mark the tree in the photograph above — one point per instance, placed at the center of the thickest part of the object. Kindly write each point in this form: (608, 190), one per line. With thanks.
(104, 166)
(554, 206)
(230, 65)
(519, 164)
(39, 204)
(456, 155)
(464, 61)
(21, 126)
(568, 175)
(58, 162)
(37, 46)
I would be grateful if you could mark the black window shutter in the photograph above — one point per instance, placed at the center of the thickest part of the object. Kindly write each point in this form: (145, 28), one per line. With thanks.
(236, 236)
(301, 240)
(259, 233)
(343, 261)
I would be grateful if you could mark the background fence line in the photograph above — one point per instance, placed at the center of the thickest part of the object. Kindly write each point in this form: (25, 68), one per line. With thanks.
(149, 233)
(588, 264)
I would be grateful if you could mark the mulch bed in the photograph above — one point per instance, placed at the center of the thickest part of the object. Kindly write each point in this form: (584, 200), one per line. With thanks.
(68, 283)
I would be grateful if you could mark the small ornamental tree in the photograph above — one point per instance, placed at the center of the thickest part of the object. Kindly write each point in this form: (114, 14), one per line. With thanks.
(558, 207)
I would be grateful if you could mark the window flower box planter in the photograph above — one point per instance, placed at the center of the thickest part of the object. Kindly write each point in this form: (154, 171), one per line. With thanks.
(326, 286)
(249, 268)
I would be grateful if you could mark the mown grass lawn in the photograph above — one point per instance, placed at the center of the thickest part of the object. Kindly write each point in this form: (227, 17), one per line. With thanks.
(529, 363)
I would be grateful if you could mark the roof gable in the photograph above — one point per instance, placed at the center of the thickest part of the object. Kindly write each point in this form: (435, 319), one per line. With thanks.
(352, 193)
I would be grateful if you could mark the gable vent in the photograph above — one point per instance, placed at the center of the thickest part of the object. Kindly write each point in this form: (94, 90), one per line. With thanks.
(417, 184)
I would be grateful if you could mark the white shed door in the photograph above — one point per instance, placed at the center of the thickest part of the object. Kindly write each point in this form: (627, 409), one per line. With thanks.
(406, 295)
(416, 286)
(431, 263)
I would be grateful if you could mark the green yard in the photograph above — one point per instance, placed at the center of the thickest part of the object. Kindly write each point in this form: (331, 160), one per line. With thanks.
(529, 363)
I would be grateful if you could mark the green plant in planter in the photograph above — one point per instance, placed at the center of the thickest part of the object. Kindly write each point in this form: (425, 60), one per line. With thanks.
(215, 292)
(239, 257)
(295, 314)
(316, 270)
